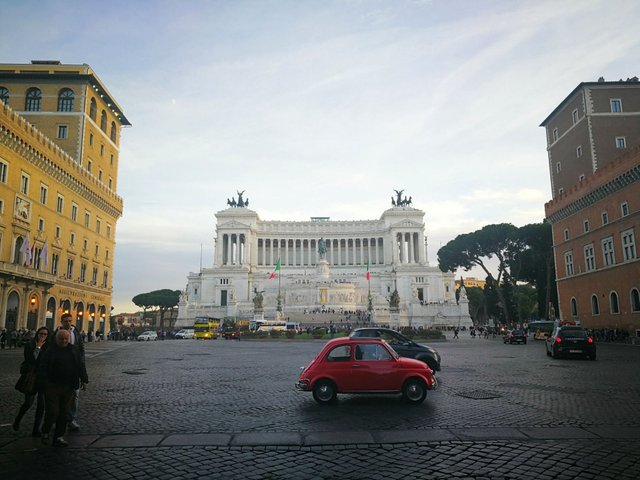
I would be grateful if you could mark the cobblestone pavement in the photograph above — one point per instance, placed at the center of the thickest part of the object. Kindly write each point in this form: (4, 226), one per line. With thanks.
(227, 409)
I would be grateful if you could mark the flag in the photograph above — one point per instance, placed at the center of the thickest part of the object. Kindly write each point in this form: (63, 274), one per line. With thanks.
(26, 249)
(44, 255)
(368, 275)
(277, 270)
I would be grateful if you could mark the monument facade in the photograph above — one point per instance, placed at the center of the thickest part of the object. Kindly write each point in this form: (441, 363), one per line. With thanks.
(378, 268)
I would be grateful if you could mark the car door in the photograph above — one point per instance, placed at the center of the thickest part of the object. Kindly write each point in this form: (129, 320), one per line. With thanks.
(338, 366)
(374, 369)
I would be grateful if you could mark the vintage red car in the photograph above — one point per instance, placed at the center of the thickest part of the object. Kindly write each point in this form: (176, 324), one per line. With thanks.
(364, 365)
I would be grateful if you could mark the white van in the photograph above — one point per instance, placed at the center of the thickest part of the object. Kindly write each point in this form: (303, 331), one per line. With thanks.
(185, 333)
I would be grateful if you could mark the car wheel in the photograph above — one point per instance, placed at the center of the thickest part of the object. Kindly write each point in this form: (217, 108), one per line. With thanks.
(414, 391)
(324, 392)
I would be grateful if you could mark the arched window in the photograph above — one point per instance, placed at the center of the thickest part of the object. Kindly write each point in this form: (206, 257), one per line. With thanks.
(595, 308)
(4, 95)
(17, 252)
(65, 100)
(613, 302)
(114, 132)
(93, 109)
(103, 121)
(635, 300)
(574, 307)
(32, 100)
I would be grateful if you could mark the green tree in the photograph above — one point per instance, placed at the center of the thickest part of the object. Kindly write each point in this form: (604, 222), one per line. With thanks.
(159, 301)
(499, 241)
(535, 264)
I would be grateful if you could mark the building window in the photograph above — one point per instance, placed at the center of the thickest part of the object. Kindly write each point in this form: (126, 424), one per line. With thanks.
(62, 131)
(85, 244)
(83, 271)
(98, 225)
(60, 204)
(574, 307)
(74, 212)
(613, 303)
(93, 109)
(103, 121)
(55, 259)
(65, 100)
(605, 218)
(94, 276)
(111, 160)
(43, 194)
(616, 105)
(555, 134)
(568, 262)
(91, 139)
(607, 252)
(635, 300)
(113, 132)
(100, 175)
(595, 307)
(72, 239)
(574, 116)
(101, 150)
(108, 231)
(558, 167)
(621, 142)
(24, 184)
(4, 168)
(110, 183)
(97, 251)
(4, 95)
(70, 268)
(579, 151)
(41, 224)
(624, 209)
(106, 256)
(585, 225)
(589, 258)
(32, 100)
(89, 165)
(628, 245)
(105, 279)
(87, 217)
(58, 231)
(566, 234)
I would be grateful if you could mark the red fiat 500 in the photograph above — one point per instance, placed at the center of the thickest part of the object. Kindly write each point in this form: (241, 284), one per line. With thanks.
(364, 365)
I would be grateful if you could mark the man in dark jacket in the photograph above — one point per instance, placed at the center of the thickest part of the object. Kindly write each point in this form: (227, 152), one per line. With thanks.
(75, 339)
(61, 371)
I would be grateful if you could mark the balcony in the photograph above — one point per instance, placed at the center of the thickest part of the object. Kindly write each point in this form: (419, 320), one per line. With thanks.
(24, 273)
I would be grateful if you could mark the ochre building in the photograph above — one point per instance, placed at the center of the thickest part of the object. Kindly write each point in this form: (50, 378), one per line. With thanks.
(59, 148)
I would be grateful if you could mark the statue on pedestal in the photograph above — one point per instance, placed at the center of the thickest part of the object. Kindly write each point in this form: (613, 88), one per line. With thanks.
(257, 300)
(394, 300)
(322, 248)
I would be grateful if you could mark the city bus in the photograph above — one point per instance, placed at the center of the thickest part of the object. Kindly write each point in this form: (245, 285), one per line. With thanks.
(541, 329)
(268, 325)
(206, 328)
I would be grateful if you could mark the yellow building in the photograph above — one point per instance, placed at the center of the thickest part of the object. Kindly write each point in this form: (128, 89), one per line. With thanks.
(59, 146)
(470, 282)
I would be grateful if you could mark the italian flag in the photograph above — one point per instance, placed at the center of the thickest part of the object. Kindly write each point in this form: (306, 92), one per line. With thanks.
(276, 271)
(368, 275)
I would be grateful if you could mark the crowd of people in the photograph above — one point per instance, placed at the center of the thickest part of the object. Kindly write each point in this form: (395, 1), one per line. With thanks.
(52, 374)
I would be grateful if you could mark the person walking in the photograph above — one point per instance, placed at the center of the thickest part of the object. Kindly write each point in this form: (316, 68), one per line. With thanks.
(3, 338)
(455, 333)
(61, 371)
(77, 339)
(33, 351)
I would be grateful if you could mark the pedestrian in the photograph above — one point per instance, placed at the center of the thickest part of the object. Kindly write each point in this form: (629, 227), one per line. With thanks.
(77, 339)
(455, 333)
(3, 338)
(33, 352)
(61, 371)
(13, 339)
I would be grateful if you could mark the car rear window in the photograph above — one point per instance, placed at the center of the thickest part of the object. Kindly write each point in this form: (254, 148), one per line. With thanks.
(573, 333)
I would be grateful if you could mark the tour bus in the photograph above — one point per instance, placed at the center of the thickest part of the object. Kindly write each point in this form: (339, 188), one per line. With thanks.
(206, 328)
(292, 326)
(541, 329)
(268, 325)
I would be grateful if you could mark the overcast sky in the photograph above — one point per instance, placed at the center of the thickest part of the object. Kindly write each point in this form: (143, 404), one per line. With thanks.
(323, 108)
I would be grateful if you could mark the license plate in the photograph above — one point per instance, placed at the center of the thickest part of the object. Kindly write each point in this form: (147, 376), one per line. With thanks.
(575, 351)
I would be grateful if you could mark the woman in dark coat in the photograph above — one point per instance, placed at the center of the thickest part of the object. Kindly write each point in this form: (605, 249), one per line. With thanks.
(33, 350)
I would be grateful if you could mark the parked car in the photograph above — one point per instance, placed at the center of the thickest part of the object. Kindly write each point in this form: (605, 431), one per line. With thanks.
(185, 333)
(515, 336)
(568, 341)
(404, 346)
(146, 336)
(364, 365)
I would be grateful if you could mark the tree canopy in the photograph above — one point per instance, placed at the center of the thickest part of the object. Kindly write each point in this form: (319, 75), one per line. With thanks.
(158, 300)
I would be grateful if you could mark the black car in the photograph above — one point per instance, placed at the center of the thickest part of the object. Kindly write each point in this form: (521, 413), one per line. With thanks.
(405, 347)
(515, 336)
(566, 341)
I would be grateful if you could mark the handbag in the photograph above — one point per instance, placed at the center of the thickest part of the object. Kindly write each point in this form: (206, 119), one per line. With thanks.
(27, 383)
